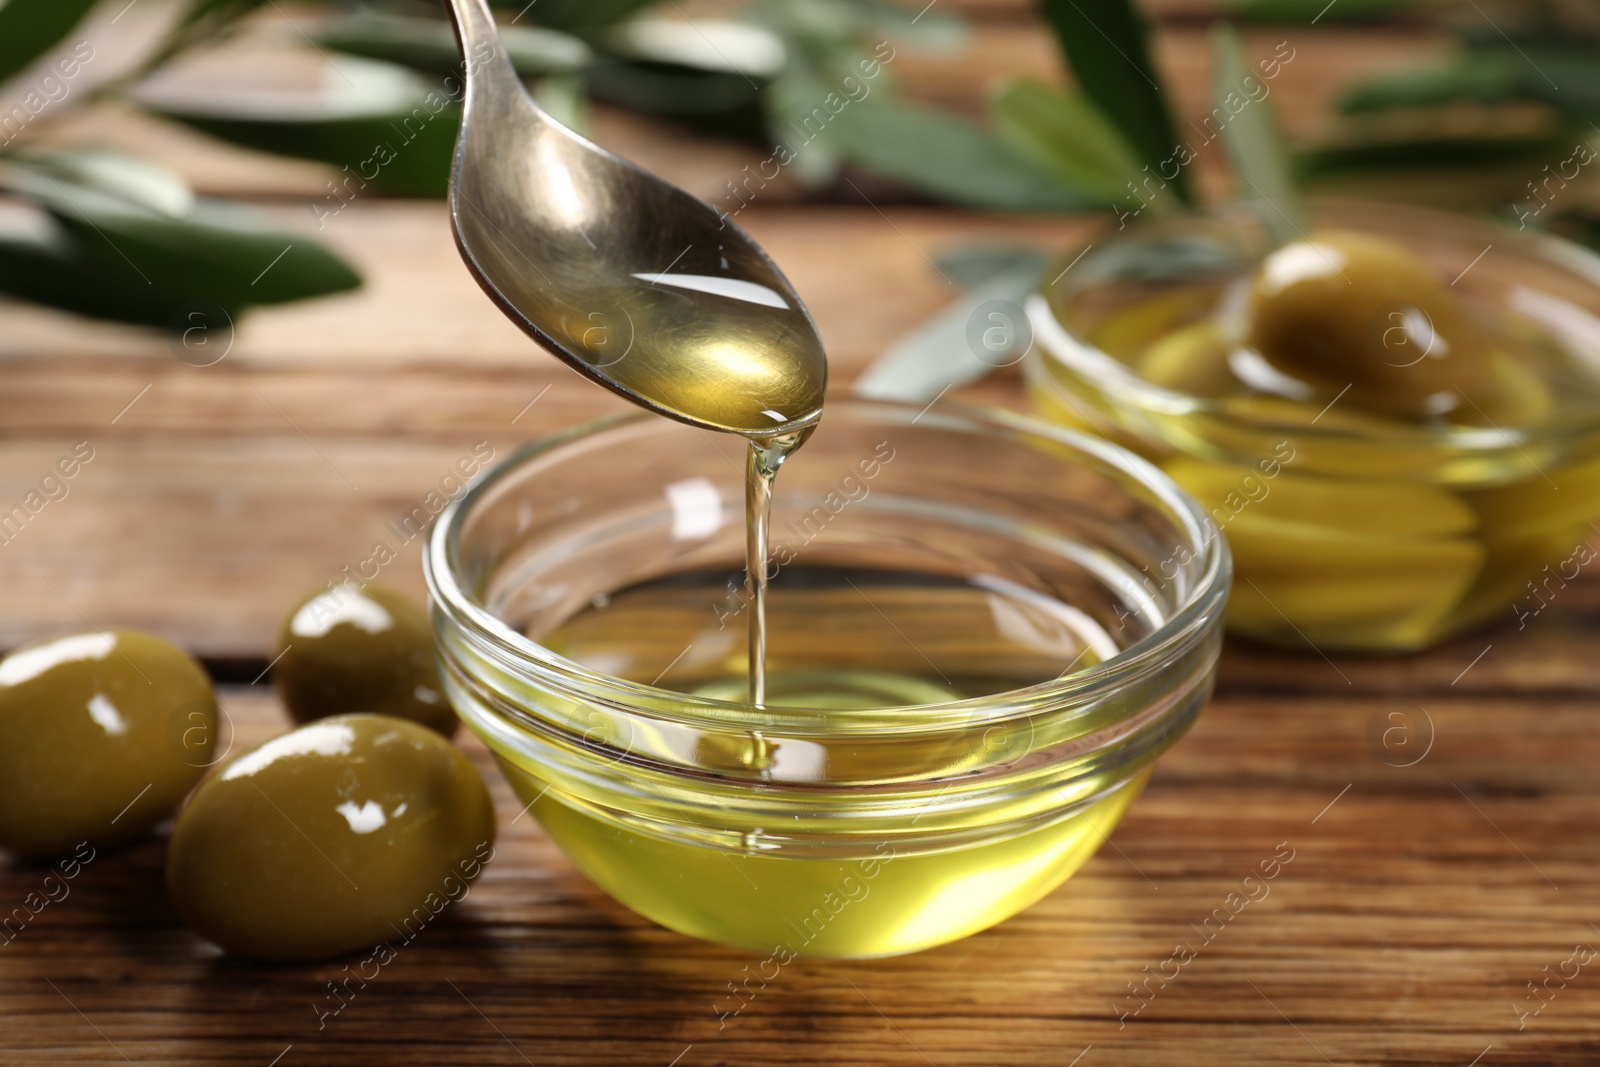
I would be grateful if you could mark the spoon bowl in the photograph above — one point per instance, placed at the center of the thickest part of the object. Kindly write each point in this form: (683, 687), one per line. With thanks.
(633, 282)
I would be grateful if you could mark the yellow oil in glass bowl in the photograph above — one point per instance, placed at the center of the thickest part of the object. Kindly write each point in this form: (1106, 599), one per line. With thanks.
(772, 886)
(1366, 509)
(881, 903)
(971, 668)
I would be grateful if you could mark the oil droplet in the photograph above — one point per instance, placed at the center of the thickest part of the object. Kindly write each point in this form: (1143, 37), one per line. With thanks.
(759, 758)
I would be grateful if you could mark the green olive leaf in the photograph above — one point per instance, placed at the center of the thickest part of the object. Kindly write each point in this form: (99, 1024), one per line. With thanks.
(939, 154)
(716, 101)
(969, 265)
(48, 268)
(1066, 133)
(218, 252)
(708, 73)
(1425, 154)
(826, 25)
(574, 14)
(201, 20)
(921, 26)
(715, 45)
(382, 124)
(940, 353)
(806, 155)
(124, 231)
(1563, 74)
(30, 28)
(1106, 44)
(406, 152)
(429, 45)
(130, 177)
(214, 14)
(1321, 11)
(563, 99)
(1255, 146)
(1486, 79)
(1577, 226)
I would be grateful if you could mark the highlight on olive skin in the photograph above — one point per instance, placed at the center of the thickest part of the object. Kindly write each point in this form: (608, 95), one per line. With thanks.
(360, 648)
(346, 833)
(102, 734)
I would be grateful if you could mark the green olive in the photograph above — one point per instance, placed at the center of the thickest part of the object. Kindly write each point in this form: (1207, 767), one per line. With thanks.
(101, 736)
(359, 648)
(1350, 310)
(343, 834)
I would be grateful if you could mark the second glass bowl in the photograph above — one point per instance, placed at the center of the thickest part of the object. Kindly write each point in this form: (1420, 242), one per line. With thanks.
(1349, 530)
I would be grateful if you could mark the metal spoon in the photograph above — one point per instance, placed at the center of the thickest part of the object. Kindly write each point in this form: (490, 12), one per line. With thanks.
(632, 281)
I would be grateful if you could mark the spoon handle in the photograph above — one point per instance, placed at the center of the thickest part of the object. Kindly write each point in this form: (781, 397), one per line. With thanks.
(490, 75)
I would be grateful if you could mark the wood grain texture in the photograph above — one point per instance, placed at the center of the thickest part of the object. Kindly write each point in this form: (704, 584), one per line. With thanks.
(1424, 893)
(1418, 903)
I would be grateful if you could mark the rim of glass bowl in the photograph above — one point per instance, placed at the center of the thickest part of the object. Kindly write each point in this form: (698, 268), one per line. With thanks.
(1123, 386)
(1211, 572)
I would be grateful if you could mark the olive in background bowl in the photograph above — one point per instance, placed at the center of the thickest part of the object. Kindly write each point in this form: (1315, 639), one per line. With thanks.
(1395, 421)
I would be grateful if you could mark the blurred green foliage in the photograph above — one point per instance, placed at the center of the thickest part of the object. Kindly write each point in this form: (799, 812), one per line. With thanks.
(126, 239)
(1106, 43)
(814, 82)
(29, 28)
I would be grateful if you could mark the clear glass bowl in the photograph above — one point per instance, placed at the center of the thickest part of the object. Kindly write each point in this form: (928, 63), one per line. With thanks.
(1348, 530)
(984, 631)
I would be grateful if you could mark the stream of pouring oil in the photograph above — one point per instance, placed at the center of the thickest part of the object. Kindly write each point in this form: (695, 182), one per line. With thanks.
(761, 470)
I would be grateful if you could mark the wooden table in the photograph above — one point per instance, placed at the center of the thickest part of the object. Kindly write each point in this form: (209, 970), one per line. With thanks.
(1441, 809)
